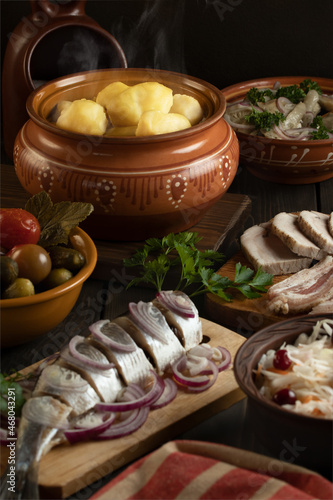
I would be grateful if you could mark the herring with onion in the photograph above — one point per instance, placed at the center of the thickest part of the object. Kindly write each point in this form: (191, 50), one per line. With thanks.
(103, 386)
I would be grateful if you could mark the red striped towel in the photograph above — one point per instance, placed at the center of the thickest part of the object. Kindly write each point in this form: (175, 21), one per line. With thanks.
(192, 470)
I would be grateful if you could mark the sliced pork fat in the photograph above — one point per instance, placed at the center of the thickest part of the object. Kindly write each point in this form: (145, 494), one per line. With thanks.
(286, 227)
(302, 291)
(315, 225)
(266, 250)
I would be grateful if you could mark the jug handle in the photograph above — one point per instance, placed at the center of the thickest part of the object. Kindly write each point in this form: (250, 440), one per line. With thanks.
(72, 8)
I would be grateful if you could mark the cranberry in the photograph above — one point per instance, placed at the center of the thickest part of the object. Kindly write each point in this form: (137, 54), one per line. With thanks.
(281, 360)
(285, 397)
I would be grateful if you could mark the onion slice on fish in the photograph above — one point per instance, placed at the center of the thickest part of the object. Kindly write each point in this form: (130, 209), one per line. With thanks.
(168, 395)
(150, 319)
(177, 303)
(108, 333)
(89, 426)
(144, 398)
(73, 345)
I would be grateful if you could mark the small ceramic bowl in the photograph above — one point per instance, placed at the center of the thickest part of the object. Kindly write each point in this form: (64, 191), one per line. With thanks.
(279, 160)
(286, 435)
(139, 186)
(25, 318)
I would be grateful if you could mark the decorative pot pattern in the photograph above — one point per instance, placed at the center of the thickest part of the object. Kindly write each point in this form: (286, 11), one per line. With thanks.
(139, 187)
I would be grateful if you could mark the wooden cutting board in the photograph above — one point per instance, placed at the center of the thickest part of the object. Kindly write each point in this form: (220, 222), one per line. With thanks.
(67, 469)
(241, 314)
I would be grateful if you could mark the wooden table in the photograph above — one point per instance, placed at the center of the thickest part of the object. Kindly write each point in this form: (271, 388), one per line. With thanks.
(255, 201)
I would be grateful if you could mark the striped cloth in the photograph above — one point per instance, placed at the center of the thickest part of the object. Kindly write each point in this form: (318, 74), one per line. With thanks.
(191, 470)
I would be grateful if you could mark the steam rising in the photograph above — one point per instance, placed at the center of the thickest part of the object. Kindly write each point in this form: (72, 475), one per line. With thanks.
(156, 41)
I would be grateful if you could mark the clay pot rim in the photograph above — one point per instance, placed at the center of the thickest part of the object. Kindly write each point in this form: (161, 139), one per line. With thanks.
(273, 336)
(80, 77)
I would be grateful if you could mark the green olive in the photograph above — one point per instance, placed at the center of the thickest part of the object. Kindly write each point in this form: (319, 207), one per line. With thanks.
(57, 277)
(21, 287)
(8, 271)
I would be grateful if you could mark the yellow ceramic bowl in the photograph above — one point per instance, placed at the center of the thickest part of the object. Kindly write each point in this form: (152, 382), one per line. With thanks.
(26, 318)
(279, 160)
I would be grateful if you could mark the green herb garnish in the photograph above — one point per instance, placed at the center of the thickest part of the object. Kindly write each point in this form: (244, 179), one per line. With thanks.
(308, 84)
(58, 219)
(264, 120)
(178, 252)
(11, 395)
(294, 93)
(255, 95)
(320, 131)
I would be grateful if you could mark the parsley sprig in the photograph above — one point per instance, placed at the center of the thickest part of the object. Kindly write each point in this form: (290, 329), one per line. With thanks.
(178, 252)
(7, 382)
(320, 131)
(264, 120)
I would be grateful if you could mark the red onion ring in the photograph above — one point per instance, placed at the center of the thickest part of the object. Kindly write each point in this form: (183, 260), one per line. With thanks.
(86, 433)
(178, 303)
(82, 358)
(133, 421)
(144, 399)
(150, 319)
(105, 338)
(226, 359)
(188, 381)
(168, 395)
(212, 370)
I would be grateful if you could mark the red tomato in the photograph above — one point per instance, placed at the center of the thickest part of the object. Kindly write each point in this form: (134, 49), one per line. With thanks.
(18, 227)
(34, 262)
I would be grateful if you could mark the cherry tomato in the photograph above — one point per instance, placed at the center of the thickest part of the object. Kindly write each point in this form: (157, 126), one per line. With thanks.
(18, 227)
(33, 261)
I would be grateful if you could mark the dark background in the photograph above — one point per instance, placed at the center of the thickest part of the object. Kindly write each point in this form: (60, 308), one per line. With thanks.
(221, 41)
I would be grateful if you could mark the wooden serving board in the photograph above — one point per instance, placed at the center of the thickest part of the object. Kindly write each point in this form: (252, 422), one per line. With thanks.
(68, 468)
(241, 314)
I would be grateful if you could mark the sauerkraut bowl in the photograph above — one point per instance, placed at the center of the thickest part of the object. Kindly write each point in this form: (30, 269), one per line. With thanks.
(144, 185)
(287, 156)
(287, 417)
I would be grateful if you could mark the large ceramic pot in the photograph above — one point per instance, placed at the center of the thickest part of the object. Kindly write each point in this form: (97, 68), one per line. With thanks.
(140, 186)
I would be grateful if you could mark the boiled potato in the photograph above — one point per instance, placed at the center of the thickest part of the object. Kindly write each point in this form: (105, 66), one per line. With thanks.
(127, 107)
(157, 122)
(120, 131)
(187, 106)
(84, 117)
(110, 92)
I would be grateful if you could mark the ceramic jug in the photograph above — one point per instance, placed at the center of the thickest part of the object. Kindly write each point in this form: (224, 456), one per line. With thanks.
(55, 40)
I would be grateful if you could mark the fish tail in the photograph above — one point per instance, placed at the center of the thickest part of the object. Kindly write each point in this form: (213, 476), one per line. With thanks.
(22, 484)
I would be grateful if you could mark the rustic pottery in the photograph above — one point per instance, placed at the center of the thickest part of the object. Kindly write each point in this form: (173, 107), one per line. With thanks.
(286, 435)
(25, 318)
(140, 186)
(56, 39)
(278, 160)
